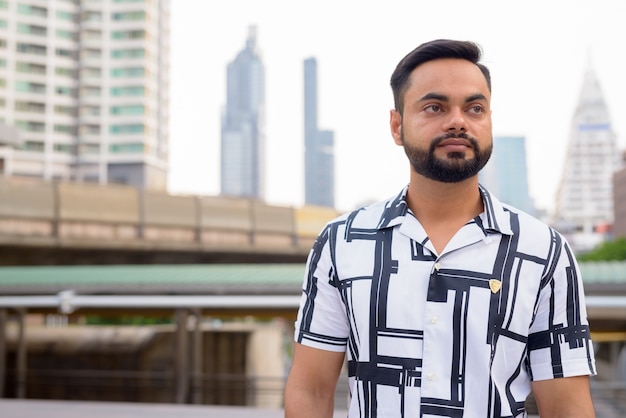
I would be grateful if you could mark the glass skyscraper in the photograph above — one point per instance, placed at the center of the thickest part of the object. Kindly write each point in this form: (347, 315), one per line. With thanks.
(84, 90)
(506, 174)
(243, 130)
(319, 159)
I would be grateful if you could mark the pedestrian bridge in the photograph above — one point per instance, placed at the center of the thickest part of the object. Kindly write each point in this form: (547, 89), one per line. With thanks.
(43, 223)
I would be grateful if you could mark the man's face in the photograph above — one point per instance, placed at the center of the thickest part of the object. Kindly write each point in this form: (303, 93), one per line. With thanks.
(445, 127)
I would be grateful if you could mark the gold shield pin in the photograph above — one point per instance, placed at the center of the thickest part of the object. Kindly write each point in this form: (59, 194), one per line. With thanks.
(495, 285)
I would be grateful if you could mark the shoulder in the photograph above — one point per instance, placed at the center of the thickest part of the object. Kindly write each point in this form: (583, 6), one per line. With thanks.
(375, 215)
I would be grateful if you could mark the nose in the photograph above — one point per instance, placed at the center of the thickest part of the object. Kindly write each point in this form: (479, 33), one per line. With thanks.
(455, 121)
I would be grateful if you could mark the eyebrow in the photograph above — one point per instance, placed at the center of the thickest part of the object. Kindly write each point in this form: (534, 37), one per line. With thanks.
(444, 98)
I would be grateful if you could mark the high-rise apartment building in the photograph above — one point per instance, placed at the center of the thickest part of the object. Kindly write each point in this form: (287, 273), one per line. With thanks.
(506, 174)
(85, 85)
(243, 124)
(584, 203)
(319, 158)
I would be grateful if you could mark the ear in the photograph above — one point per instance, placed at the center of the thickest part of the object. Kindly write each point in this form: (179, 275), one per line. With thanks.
(395, 124)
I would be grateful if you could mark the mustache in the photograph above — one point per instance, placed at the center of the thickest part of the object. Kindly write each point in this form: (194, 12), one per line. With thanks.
(449, 135)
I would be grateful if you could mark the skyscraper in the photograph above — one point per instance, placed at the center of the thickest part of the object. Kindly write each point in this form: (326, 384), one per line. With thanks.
(584, 203)
(243, 129)
(319, 159)
(86, 85)
(506, 175)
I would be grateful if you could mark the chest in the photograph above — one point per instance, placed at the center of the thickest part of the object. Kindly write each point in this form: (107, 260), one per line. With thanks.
(393, 284)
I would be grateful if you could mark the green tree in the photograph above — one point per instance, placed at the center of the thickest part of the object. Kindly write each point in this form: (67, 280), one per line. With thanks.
(607, 251)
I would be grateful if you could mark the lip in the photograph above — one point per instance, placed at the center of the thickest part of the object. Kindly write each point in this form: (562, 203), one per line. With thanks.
(454, 144)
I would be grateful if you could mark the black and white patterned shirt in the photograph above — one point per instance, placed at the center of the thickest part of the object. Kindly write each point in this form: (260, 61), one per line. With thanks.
(456, 334)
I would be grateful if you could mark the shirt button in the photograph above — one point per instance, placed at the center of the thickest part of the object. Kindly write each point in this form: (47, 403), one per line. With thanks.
(437, 266)
(434, 320)
(431, 376)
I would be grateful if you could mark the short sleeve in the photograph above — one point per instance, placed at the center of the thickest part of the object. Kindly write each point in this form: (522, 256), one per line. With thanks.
(322, 320)
(559, 342)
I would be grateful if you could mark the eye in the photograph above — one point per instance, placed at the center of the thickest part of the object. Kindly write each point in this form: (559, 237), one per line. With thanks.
(477, 109)
(433, 108)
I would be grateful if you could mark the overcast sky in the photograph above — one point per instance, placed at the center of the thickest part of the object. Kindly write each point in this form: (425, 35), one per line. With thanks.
(537, 52)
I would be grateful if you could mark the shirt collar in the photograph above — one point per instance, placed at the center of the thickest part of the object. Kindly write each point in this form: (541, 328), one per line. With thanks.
(494, 218)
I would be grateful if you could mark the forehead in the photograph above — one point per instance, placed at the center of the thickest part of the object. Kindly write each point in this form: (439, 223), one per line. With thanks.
(449, 76)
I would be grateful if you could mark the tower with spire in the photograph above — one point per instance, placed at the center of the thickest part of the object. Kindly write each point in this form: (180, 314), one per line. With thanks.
(584, 201)
(243, 128)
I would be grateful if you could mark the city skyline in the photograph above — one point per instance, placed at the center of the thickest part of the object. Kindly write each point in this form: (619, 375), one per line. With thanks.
(537, 76)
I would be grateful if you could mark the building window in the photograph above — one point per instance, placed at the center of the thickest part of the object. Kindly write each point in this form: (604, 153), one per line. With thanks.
(90, 111)
(91, 91)
(64, 110)
(126, 148)
(91, 72)
(4, 4)
(27, 9)
(65, 129)
(65, 72)
(65, 15)
(30, 126)
(90, 130)
(89, 149)
(63, 148)
(3, 63)
(62, 52)
(128, 53)
(127, 110)
(91, 16)
(27, 87)
(127, 72)
(91, 53)
(31, 107)
(31, 48)
(3, 24)
(35, 146)
(135, 128)
(64, 91)
(92, 35)
(30, 68)
(32, 29)
(127, 91)
(65, 34)
(129, 16)
(128, 34)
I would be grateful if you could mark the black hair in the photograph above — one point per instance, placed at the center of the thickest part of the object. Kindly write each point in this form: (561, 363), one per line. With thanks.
(429, 51)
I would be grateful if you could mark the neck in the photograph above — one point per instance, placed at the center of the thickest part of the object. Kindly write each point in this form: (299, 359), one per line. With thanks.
(443, 208)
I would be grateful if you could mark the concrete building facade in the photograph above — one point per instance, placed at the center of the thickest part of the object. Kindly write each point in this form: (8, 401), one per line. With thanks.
(85, 87)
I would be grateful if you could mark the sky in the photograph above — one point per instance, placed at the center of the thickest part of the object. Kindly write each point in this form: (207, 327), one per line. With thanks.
(537, 51)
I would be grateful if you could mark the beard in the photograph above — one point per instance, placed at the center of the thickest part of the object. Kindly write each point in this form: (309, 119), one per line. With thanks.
(453, 169)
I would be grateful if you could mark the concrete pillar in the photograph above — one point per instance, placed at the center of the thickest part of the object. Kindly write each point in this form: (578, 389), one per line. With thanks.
(21, 355)
(197, 372)
(3, 350)
(181, 366)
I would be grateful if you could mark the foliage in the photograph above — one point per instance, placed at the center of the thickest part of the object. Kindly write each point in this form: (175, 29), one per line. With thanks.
(607, 251)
